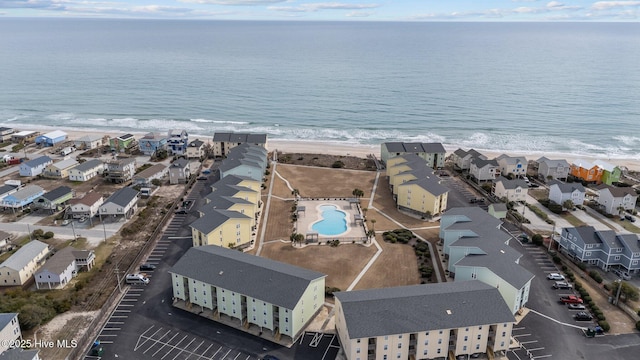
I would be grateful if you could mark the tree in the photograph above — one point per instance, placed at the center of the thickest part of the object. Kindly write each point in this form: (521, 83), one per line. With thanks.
(299, 238)
(371, 234)
(364, 211)
(357, 193)
(373, 224)
(568, 204)
(32, 315)
(295, 192)
(628, 291)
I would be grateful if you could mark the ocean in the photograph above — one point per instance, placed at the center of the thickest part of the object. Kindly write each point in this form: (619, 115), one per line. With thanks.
(535, 87)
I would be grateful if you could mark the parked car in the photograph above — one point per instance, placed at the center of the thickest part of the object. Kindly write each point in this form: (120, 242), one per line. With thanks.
(147, 267)
(82, 219)
(66, 222)
(576, 307)
(621, 274)
(630, 218)
(136, 279)
(555, 276)
(583, 316)
(571, 299)
(562, 285)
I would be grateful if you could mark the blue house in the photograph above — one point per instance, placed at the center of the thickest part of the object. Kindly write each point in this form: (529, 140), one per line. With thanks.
(35, 167)
(177, 142)
(245, 160)
(152, 142)
(51, 138)
(22, 197)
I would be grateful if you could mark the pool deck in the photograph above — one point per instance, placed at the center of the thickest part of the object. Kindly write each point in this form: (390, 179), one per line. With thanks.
(312, 214)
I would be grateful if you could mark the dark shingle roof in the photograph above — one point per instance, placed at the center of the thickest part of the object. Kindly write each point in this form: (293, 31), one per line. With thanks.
(57, 193)
(5, 319)
(430, 148)
(88, 165)
(511, 184)
(430, 184)
(480, 163)
(567, 187)
(38, 161)
(196, 143)
(19, 354)
(123, 196)
(618, 191)
(59, 261)
(214, 218)
(240, 137)
(264, 279)
(412, 309)
(180, 163)
(6, 188)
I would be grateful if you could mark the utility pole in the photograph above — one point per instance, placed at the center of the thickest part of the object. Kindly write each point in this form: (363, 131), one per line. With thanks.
(73, 229)
(118, 276)
(553, 233)
(615, 301)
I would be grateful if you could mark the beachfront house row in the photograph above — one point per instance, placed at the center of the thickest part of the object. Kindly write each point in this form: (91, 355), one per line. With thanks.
(89, 141)
(19, 267)
(146, 176)
(63, 266)
(602, 248)
(22, 197)
(120, 170)
(482, 170)
(225, 228)
(87, 170)
(238, 187)
(223, 142)
(60, 169)
(560, 192)
(152, 142)
(553, 169)
(432, 153)
(195, 150)
(86, 206)
(6, 133)
(610, 173)
(478, 250)
(615, 200)
(23, 137)
(123, 202)
(252, 292)
(511, 190)
(9, 330)
(462, 158)
(122, 143)
(429, 321)
(35, 167)
(177, 141)
(515, 165)
(51, 138)
(55, 199)
(179, 171)
(586, 171)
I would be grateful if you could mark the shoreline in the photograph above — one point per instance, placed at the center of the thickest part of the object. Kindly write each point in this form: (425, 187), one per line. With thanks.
(347, 149)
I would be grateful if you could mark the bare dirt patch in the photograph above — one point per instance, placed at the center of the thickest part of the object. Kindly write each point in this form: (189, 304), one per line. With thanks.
(280, 225)
(396, 266)
(324, 160)
(318, 182)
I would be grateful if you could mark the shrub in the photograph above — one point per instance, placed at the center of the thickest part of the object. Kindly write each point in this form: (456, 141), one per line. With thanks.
(604, 325)
(586, 298)
(48, 235)
(595, 276)
(537, 239)
(564, 268)
(329, 290)
(337, 164)
(557, 259)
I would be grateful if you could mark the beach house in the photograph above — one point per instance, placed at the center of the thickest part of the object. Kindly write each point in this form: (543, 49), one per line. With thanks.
(6, 133)
(152, 142)
(560, 192)
(223, 142)
(89, 141)
(615, 200)
(19, 267)
(177, 141)
(610, 173)
(462, 158)
(8, 189)
(238, 187)
(512, 165)
(87, 170)
(23, 137)
(482, 170)
(250, 292)
(23, 197)
(602, 248)
(35, 167)
(54, 200)
(195, 150)
(86, 206)
(478, 250)
(122, 143)
(225, 228)
(432, 153)
(179, 171)
(120, 170)
(51, 138)
(123, 202)
(511, 190)
(553, 169)
(244, 161)
(424, 197)
(60, 169)
(429, 321)
(63, 266)
(9, 330)
(154, 172)
(586, 171)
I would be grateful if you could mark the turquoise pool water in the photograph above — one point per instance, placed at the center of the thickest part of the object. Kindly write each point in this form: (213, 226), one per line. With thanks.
(333, 221)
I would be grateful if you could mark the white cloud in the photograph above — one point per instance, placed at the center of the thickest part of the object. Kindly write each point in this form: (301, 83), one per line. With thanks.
(234, 2)
(360, 14)
(605, 5)
(313, 7)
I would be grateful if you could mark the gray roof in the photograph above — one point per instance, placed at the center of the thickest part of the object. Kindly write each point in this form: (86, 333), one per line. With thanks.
(4, 235)
(553, 163)
(122, 197)
(480, 163)
(5, 319)
(26, 253)
(429, 148)
(6, 188)
(430, 184)
(425, 171)
(630, 241)
(264, 279)
(511, 184)
(88, 165)
(412, 309)
(38, 161)
(618, 191)
(512, 159)
(502, 264)
(230, 164)
(567, 187)
(248, 147)
(214, 218)
(240, 137)
(19, 354)
(57, 193)
(222, 202)
(196, 143)
(586, 233)
(181, 163)
(498, 206)
(65, 164)
(27, 192)
(231, 180)
(59, 261)
(227, 190)
(150, 171)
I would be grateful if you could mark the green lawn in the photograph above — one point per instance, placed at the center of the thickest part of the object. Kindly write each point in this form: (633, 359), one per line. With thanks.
(572, 219)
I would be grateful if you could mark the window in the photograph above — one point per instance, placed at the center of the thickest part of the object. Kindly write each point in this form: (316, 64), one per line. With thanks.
(464, 348)
(439, 351)
(466, 338)
(439, 341)
(357, 350)
(504, 333)
(479, 336)
(399, 346)
(477, 346)
(501, 343)
(424, 353)
(399, 336)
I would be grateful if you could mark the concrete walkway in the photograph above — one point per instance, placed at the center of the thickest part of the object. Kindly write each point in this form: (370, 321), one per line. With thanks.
(265, 210)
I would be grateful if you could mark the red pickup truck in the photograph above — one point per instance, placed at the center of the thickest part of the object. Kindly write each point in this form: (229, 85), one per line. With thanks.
(571, 299)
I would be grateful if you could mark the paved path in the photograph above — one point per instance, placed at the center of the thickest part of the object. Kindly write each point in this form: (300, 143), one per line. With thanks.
(265, 211)
(366, 267)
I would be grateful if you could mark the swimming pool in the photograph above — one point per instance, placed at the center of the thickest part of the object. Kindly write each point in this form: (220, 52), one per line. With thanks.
(332, 221)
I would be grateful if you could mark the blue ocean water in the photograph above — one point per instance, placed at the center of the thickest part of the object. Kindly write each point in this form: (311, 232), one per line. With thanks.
(538, 87)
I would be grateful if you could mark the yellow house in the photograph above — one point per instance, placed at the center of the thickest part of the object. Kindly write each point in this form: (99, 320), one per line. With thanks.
(424, 196)
(19, 267)
(230, 203)
(432, 321)
(403, 177)
(406, 166)
(236, 191)
(238, 181)
(224, 228)
(60, 169)
(403, 159)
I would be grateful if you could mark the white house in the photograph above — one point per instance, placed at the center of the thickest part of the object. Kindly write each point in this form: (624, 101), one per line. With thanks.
(9, 330)
(87, 170)
(20, 354)
(195, 150)
(88, 142)
(179, 171)
(512, 190)
(430, 321)
(121, 203)
(87, 206)
(18, 268)
(146, 176)
(35, 167)
(560, 192)
(613, 199)
(484, 170)
(516, 165)
(62, 267)
(254, 293)
(462, 158)
(553, 169)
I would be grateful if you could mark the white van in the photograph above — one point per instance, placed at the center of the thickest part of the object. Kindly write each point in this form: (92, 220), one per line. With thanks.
(136, 279)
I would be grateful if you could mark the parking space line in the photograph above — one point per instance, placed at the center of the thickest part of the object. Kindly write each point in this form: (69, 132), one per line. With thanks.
(217, 352)
(119, 316)
(541, 356)
(164, 344)
(528, 342)
(536, 349)
(107, 335)
(185, 347)
(142, 335)
(327, 349)
(518, 328)
(124, 311)
(236, 358)
(194, 350)
(515, 336)
(176, 347)
(205, 351)
(106, 342)
(225, 355)
(111, 329)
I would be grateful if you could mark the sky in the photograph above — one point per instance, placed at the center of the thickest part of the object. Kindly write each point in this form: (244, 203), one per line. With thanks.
(338, 10)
